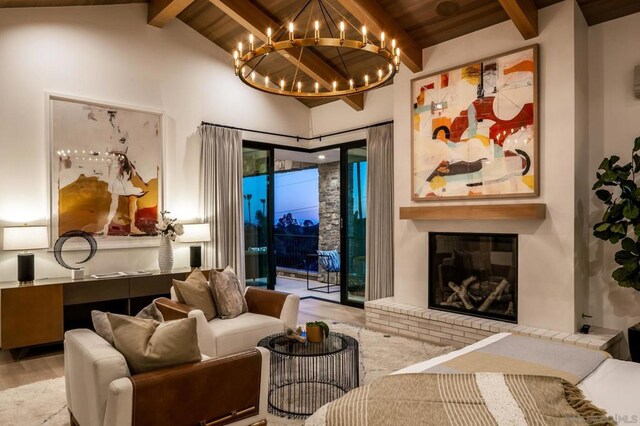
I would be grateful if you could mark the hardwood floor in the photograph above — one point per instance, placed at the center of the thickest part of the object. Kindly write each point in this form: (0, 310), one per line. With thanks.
(312, 310)
(48, 362)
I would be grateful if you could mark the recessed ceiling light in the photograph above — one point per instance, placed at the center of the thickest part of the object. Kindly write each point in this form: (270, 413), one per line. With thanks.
(321, 157)
(448, 8)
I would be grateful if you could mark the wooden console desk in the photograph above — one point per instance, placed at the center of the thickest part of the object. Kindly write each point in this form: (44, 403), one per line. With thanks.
(40, 313)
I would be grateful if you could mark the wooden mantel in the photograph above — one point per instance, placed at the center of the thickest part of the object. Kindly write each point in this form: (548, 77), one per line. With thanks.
(526, 211)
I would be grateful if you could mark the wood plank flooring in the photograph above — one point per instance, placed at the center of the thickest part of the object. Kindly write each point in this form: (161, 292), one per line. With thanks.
(48, 362)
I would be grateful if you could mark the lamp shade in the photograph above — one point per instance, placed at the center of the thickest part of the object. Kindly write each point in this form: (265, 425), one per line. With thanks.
(25, 238)
(196, 233)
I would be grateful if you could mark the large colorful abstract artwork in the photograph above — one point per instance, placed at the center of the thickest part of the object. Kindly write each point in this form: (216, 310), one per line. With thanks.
(474, 130)
(105, 171)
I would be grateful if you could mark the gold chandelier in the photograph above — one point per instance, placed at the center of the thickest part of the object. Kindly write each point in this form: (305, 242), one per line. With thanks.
(246, 62)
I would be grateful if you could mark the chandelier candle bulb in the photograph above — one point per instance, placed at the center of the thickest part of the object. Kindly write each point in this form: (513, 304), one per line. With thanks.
(240, 48)
(291, 31)
(364, 34)
(269, 36)
(317, 30)
(282, 85)
(335, 85)
(382, 40)
(236, 61)
(393, 45)
(251, 42)
(317, 87)
(366, 79)
(379, 74)
(351, 84)
(299, 86)
(266, 81)
(341, 32)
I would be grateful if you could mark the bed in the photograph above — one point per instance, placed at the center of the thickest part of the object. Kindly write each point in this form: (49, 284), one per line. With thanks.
(610, 384)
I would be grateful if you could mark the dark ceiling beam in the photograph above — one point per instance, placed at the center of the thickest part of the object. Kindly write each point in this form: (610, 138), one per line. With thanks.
(524, 14)
(377, 20)
(160, 12)
(256, 22)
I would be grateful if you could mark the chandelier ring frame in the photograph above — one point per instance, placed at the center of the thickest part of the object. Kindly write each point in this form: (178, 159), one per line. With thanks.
(265, 49)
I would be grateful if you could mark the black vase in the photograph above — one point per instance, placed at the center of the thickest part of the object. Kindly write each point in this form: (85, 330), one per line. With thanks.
(634, 342)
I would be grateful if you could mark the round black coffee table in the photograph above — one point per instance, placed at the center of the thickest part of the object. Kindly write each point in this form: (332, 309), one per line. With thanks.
(305, 376)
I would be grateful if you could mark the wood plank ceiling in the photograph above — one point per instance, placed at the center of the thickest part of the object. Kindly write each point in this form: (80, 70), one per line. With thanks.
(424, 23)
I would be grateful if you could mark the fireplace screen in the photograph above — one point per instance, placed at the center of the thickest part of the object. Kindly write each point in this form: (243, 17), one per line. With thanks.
(474, 274)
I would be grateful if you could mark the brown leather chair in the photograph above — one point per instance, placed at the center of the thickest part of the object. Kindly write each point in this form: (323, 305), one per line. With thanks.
(230, 390)
(270, 312)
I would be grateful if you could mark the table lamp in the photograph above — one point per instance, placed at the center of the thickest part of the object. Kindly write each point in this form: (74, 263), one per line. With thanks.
(25, 238)
(195, 233)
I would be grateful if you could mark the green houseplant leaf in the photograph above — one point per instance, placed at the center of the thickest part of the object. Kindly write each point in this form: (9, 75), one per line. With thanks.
(621, 214)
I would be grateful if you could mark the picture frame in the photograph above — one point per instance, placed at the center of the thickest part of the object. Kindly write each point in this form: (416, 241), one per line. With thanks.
(119, 177)
(474, 129)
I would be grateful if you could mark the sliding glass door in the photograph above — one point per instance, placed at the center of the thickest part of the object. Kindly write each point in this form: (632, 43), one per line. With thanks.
(354, 220)
(336, 181)
(257, 192)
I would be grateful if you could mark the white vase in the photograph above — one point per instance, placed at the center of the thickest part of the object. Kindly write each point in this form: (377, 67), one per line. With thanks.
(165, 255)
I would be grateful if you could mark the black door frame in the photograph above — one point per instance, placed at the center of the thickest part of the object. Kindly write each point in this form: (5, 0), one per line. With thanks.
(344, 194)
(271, 258)
(344, 147)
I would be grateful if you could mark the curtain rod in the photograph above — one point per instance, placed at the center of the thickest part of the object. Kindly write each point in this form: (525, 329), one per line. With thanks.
(298, 138)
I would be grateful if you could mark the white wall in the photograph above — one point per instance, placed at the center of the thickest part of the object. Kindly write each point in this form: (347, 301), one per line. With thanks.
(109, 53)
(582, 173)
(546, 249)
(614, 122)
(336, 116)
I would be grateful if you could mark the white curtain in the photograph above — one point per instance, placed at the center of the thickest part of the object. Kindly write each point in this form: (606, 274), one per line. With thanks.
(221, 197)
(379, 243)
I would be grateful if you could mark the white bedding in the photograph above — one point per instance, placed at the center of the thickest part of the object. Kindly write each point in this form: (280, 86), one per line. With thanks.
(614, 386)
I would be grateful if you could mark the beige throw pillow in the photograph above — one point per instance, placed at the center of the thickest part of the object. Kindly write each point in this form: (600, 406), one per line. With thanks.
(197, 275)
(148, 345)
(101, 325)
(227, 293)
(195, 292)
(150, 311)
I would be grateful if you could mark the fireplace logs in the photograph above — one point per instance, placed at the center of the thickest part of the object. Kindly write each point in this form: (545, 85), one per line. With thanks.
(462, 297)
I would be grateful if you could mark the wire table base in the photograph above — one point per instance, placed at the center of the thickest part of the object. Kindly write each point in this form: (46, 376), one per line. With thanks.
(306, 376)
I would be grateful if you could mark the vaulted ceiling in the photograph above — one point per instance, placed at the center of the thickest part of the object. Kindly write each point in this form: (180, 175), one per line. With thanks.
(415, 23)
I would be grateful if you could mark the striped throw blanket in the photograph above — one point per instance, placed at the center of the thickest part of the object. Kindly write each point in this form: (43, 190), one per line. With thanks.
(462, 399)
(525, 355)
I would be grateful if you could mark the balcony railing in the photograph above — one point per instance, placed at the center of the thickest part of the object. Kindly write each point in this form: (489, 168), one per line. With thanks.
(291, 251)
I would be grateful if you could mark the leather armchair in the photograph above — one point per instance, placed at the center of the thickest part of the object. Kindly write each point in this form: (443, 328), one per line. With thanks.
(270, 312)
(101, 391)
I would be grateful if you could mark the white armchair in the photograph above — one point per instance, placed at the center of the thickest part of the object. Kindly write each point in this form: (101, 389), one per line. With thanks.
(100, 388)
(270, 312)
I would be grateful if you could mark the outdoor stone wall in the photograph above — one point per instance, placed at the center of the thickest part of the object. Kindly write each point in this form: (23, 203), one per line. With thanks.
(329, 206)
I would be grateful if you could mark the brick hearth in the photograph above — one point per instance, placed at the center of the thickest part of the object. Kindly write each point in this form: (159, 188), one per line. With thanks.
(445, 328)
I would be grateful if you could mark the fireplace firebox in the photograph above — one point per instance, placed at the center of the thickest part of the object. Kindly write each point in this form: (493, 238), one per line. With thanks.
(474, 274)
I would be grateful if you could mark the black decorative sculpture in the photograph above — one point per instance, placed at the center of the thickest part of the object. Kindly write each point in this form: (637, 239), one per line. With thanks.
(57, 248)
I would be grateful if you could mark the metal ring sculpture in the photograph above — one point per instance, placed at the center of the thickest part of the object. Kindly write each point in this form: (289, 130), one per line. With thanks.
(57, 247)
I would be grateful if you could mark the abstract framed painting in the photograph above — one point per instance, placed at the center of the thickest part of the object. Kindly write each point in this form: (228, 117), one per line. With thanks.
(105, 171)
(474, 130)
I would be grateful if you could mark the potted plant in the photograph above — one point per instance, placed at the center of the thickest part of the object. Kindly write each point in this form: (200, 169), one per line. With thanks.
(317, 331)
(616, 187)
